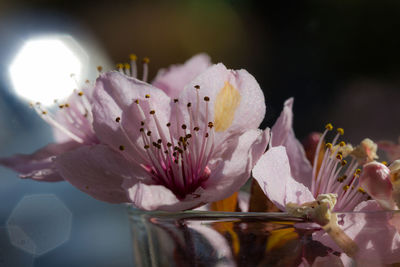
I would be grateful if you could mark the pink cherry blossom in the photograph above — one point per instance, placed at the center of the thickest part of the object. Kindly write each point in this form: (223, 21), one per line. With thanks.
(72, 127)
(182, 152)
(72, 122)
(286, 176)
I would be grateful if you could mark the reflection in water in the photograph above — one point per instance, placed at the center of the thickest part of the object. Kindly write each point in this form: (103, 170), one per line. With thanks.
(262, 239)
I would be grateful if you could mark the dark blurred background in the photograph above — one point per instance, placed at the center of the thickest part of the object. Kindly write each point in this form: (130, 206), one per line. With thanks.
(340, 60)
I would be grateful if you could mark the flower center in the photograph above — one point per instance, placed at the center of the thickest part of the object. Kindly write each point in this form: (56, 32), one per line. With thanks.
(176, 155)
(333, 174)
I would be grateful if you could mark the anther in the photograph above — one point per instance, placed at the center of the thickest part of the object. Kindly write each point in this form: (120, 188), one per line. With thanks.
(210, 124)
(141, 129)
(384, 163)
(119, 66)
(206, 134)
(142, 123)
(188, 136)
(206, 98)
(342, 144)
(196, 128)
(117, 119)
(339, 156)
(346, 187)
(122, 148)
(148, 133)
(99, 68)
(329, 127)
(80, 93)
(328, 145)
(189, 105)
(184, 126)
(146, 146)
(168, 124)
(176, 100)
(342, 178)
(152, 112)
(358, 171)
(344, 162)
(137, 101)
(147, 96)
(67, 105)
(159, 141)
(132, 57)
(197, 86)
(361, 190)
(340, 131)
(127, 66)
(44, 112)
(61, 106)
(146, 60)
(169, 144)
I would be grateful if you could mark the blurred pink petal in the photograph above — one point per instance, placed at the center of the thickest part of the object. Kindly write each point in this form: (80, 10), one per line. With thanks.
(392, 149)
(39, 165)
(173, 80)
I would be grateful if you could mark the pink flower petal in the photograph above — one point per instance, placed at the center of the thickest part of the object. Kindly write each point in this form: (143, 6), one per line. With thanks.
(173, 80)
(392, 150)
(249, 112)
(157, 197)
(272, 173)
(74, 110)
(233, 168)
(99, 172)
(283, 135)
(39, 165)
(114, 95)
(375, 179)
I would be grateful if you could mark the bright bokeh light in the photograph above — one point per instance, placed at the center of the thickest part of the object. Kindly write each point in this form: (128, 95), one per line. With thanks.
(41, 71)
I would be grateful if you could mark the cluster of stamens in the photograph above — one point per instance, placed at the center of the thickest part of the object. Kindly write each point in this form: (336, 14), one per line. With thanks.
(176, 155)
(335, 175)
(74, 119)
(130, 69)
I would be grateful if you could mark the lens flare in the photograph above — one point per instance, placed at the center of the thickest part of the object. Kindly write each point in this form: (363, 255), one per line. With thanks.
(41, 71)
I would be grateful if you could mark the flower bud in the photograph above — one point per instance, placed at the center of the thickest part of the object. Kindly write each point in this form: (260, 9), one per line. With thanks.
(375, 179)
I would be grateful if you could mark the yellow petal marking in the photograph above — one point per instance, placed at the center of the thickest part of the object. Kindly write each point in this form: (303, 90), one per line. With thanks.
(226, 103)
